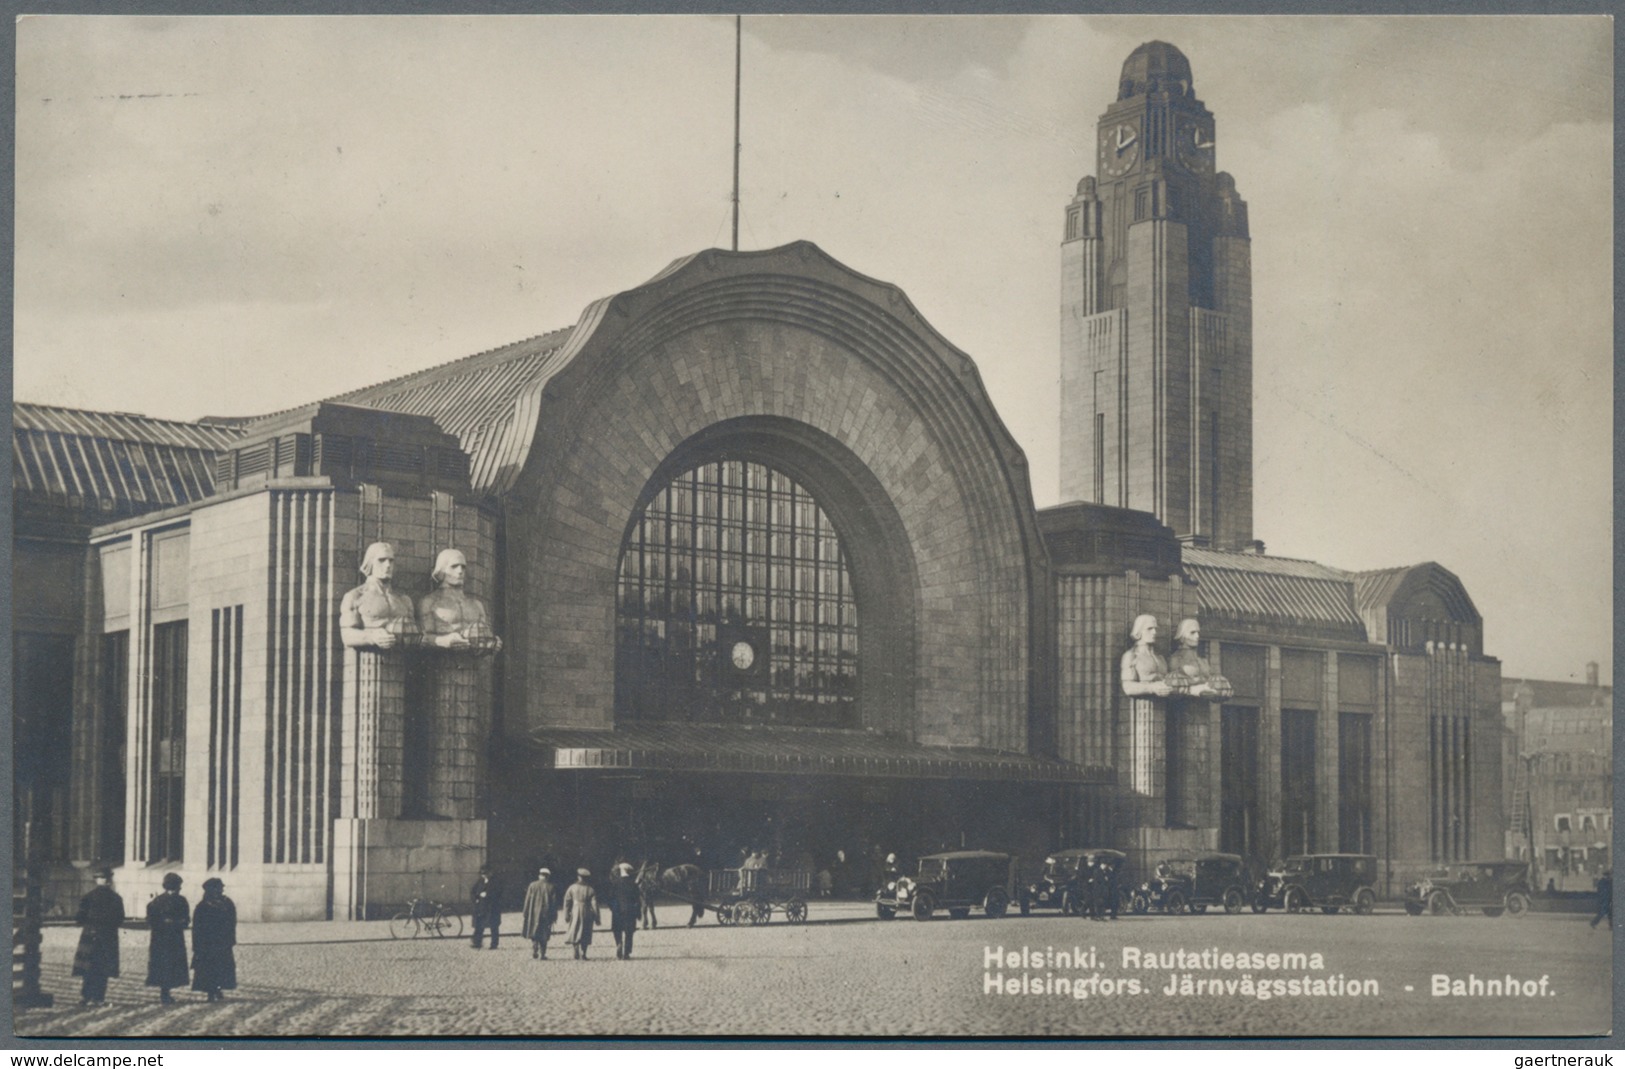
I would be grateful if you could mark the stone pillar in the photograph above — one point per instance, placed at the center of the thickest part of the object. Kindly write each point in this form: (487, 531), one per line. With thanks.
(375, 725)
(1143, 774)
(458, 712)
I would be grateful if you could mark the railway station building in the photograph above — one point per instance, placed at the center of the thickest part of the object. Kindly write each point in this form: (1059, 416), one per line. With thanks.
(767, 573)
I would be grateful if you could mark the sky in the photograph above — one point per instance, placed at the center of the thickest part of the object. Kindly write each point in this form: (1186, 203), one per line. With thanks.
(235, 215)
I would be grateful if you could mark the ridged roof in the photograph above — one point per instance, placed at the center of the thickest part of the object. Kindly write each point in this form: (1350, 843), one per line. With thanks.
(1275, 592)
(110, 464)
(475, 398)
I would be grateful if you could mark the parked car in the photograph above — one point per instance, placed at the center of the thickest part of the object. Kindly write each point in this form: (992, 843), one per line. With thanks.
(1196, 883)
(1061, 884)
(1494, 887)
(958, 881)
(1328, 882)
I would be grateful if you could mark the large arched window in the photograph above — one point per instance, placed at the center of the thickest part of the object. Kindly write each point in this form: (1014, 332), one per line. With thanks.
(735, 603)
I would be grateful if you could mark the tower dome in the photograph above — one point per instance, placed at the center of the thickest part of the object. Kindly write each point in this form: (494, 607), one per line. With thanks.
(1155, 67)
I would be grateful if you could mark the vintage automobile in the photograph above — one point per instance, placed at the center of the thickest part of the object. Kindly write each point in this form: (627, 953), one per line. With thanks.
(1195, 883)
(1060, 885)
(958, 881)
(1327, 882)
(1494, 887)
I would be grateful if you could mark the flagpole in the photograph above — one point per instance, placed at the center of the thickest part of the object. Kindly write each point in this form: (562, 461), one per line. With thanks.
(738, 19)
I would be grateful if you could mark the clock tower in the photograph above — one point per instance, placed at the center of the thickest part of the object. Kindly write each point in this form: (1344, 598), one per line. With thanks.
(1156, 315)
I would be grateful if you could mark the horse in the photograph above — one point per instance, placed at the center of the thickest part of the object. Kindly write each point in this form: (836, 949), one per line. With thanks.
(686, 883)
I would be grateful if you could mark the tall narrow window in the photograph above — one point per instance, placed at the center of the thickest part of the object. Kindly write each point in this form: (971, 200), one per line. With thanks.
(1297, 781)
(1100, 458)
(1238, 781)
(1354, 783)
(734, 603)
(168, 755)
(110, 754)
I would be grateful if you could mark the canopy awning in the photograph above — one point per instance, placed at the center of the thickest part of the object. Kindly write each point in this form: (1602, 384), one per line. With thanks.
(727, 748)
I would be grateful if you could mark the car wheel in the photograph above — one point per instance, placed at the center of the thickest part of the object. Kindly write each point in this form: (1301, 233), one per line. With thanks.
(1260, 906)
(1365, 901)
(1140, 904)
(1296, 901)
(1174, 903)
(924, 906)
(959, 914)
(1413, 908)
(1438, 904)
(1232, 900)
(884, 913)
(997, 903)
(1517, 903)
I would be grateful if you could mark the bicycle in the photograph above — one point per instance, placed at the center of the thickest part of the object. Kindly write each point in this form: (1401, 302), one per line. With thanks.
(423, 917)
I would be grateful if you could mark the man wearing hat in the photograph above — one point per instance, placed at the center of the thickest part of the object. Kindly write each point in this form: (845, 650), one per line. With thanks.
(625, 904)
(487, 910)
(96, 957)
(541, 910)
(580, 913)
(214, 935)
(167, 918)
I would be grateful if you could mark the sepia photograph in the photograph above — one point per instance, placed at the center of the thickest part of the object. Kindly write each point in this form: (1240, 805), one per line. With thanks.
(797, 526)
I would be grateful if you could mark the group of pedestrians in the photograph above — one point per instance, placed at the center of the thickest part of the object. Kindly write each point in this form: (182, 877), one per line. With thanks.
(581, 904)
(1098, 882)
(213, 966)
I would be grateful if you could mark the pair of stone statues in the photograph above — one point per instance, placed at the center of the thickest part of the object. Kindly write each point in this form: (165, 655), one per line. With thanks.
(374, 616)
(1186, 674)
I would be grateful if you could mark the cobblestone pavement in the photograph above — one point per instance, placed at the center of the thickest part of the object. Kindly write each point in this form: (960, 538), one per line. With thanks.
(846, 973)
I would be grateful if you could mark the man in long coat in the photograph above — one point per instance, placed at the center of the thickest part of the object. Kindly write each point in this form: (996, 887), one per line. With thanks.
(214, 934)
(167, 918)
(541, 910)
(625, 903)
(580, 913)
(96, 957)
(487, 911)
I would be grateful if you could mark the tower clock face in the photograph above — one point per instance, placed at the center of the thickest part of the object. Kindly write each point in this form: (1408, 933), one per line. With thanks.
(743, 655)
(1119, 148)
(1194, 146)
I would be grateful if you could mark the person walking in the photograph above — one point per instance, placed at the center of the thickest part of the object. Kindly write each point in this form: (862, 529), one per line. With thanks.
(168, 915)
(625, 903)
(1605, 899)
(1112, 891)
(648, 887)
(580, 913)
(487, 912)
(541, 910)
(214, 935)
(96, 957)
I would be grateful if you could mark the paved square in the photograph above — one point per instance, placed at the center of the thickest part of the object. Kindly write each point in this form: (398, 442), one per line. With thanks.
(846, 973)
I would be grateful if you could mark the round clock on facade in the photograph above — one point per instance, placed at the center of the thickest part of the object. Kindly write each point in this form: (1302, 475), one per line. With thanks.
(1194, 146)
(744, 655)
(1119, 148)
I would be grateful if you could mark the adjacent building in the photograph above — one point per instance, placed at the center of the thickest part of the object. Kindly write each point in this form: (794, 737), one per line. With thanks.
(1558, 777)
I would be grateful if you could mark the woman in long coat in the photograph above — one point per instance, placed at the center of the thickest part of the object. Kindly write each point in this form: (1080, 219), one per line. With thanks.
(541, 910)
(96, 957)
(580, 913)
(167, 918)
(214, 934)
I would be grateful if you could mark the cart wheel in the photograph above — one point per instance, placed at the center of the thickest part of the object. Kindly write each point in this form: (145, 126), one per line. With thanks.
(746, 913)
(1517, 904)
(725, 915)
(795, 911)
(1141, 904)
(1296, 900)
(1365, 901)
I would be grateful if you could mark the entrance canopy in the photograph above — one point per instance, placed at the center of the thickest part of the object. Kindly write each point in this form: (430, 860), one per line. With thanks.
(725, 748)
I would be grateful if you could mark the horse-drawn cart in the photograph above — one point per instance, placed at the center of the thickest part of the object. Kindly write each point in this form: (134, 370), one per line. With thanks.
(751, 896)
